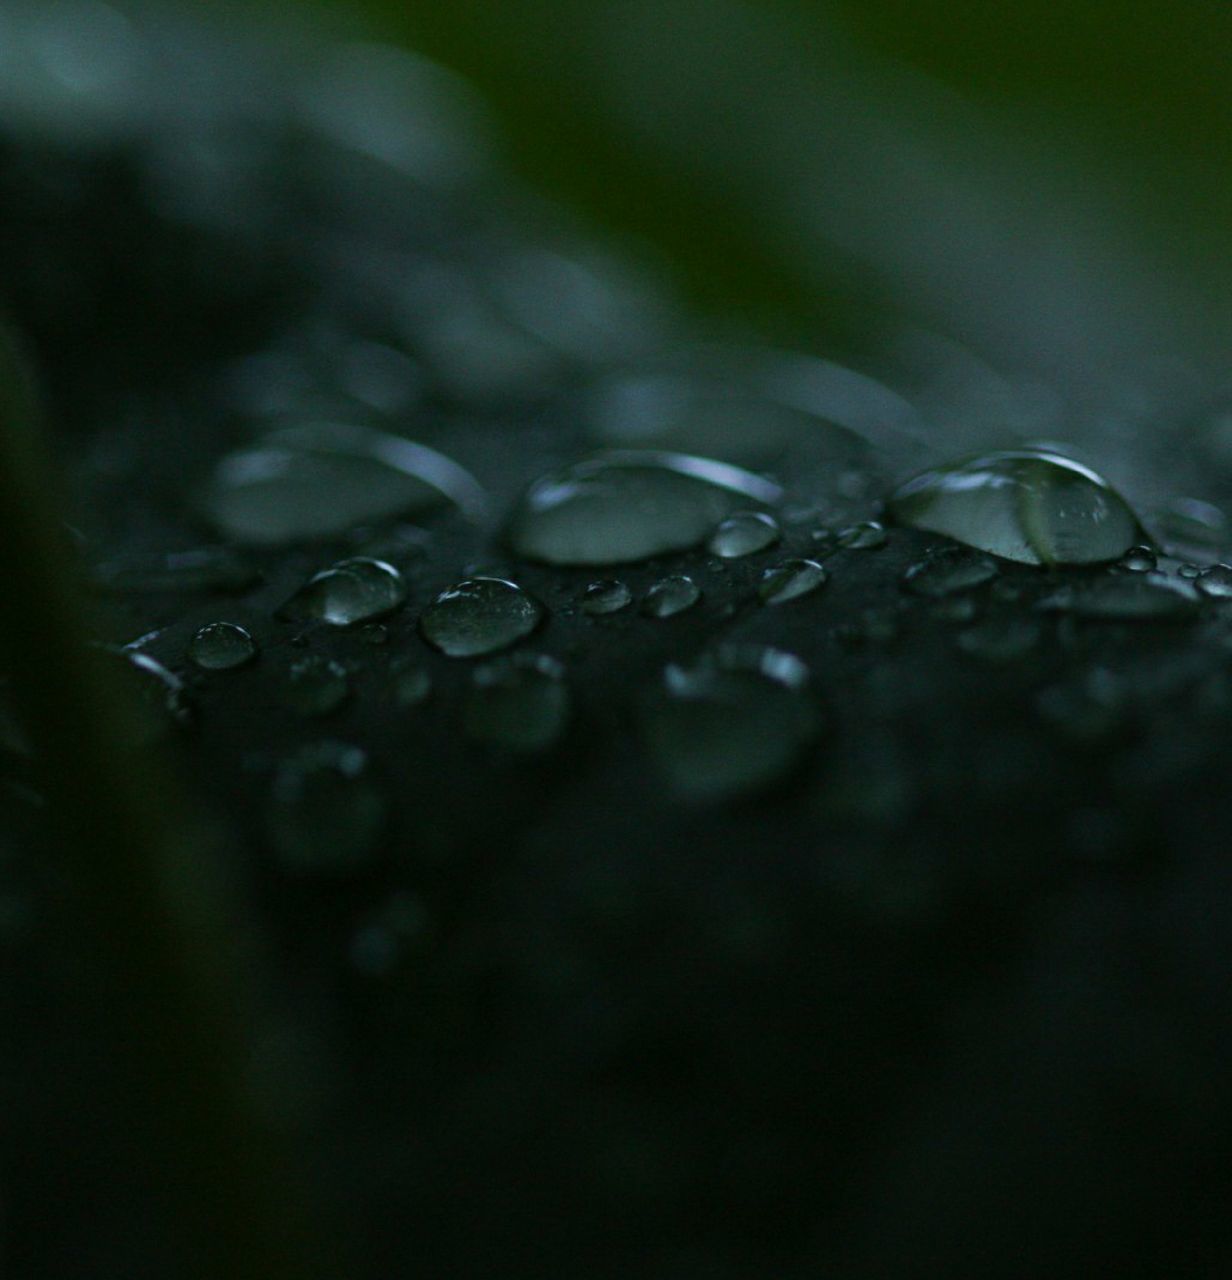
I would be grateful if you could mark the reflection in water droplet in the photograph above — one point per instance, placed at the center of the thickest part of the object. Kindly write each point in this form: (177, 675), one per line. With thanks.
(733, 723)
(607, 596)
(207, 569)
(351, 591)
(1216, 581)
(519, 703)
(1027, 505)
(412, 684)
(1138, 560)
(324, 816)
(1125, 597)
(221, 646)
(863, 537)
(1189, 571)
(624, 507)
(317, 481)
(1000, 639)
(790, 580)
(744, 533)
(670, 596)
(948, 572)
(315, 686)
(478, 616)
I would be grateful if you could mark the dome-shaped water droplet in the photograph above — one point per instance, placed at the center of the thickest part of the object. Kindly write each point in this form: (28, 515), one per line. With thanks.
(478, 616)
(606, 596)
(324, 816)
(733, 723)
(1022, 504)
(949, 572)
(790, 580)
(625, 507)
(1125, 597)
(744, 533)
(315, 686)
(412, 684)
(351, 591)
(867, 536)
(316, 481)
(1216, 582)
(519, 703)
(670, 596)
(1138, 560)
(221, 646)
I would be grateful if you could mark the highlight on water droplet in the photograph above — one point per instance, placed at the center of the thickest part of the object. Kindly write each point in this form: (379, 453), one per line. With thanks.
(791, 580)
(606, 596)
(222, 646)
(479, 616)
(670, 596)
(1029, 505)
(742, 534)
(1216, 582)
(947, 572)
(349, 592)
(1125, 597)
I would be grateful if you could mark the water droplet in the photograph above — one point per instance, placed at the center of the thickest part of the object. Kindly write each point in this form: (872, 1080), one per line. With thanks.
(1125, 597)
(790, 580)
(316, 686)
(1188, 571)
(606, 596)
(670, 596)
(351, 591)
(1216, 581)
(478, 616)
(318, 480)
(949, 572)
(733, 723)
(324, 816)
(222, 646)
(624, 507)
(1022, 504)
(412, 683)
(742, 534)
(206, 569)
(519, 703)
(1000, 639)
(1138, 560)
(867, 536)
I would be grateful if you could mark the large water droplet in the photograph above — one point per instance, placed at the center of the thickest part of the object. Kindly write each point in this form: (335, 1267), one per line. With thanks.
(606, 596)
(351, 591)
(316, 481)
(790, 580)
(315, 686)
(1138, 560)
(744, 533)
(478, 616)
(1125, 597)
(222, 646)
(949, 572)
(624, 507)
(519, 703)
(670, 596)
(1216, 582)
(324, 817)
(734, 722)
(1022, 504)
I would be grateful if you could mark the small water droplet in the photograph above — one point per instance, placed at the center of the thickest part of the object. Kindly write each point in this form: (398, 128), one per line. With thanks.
(734, 722)
(222, 646)
(348, 592)
(1138, 560)
(319, 480)
(412, 683)
(479, 616)
(624, 507)
(949, 572)
(742, 534)
(315, 686)
(519, 703)
(1028, 505)
(1125, 597)
(670, 596)
(1216, 581)
(606, 596)
(1188, 571)
(791, 580)
(324, 816)
(1000, 639)
(867, 536)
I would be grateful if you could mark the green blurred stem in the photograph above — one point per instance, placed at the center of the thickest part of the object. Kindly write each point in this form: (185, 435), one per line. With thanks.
(160, 929)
